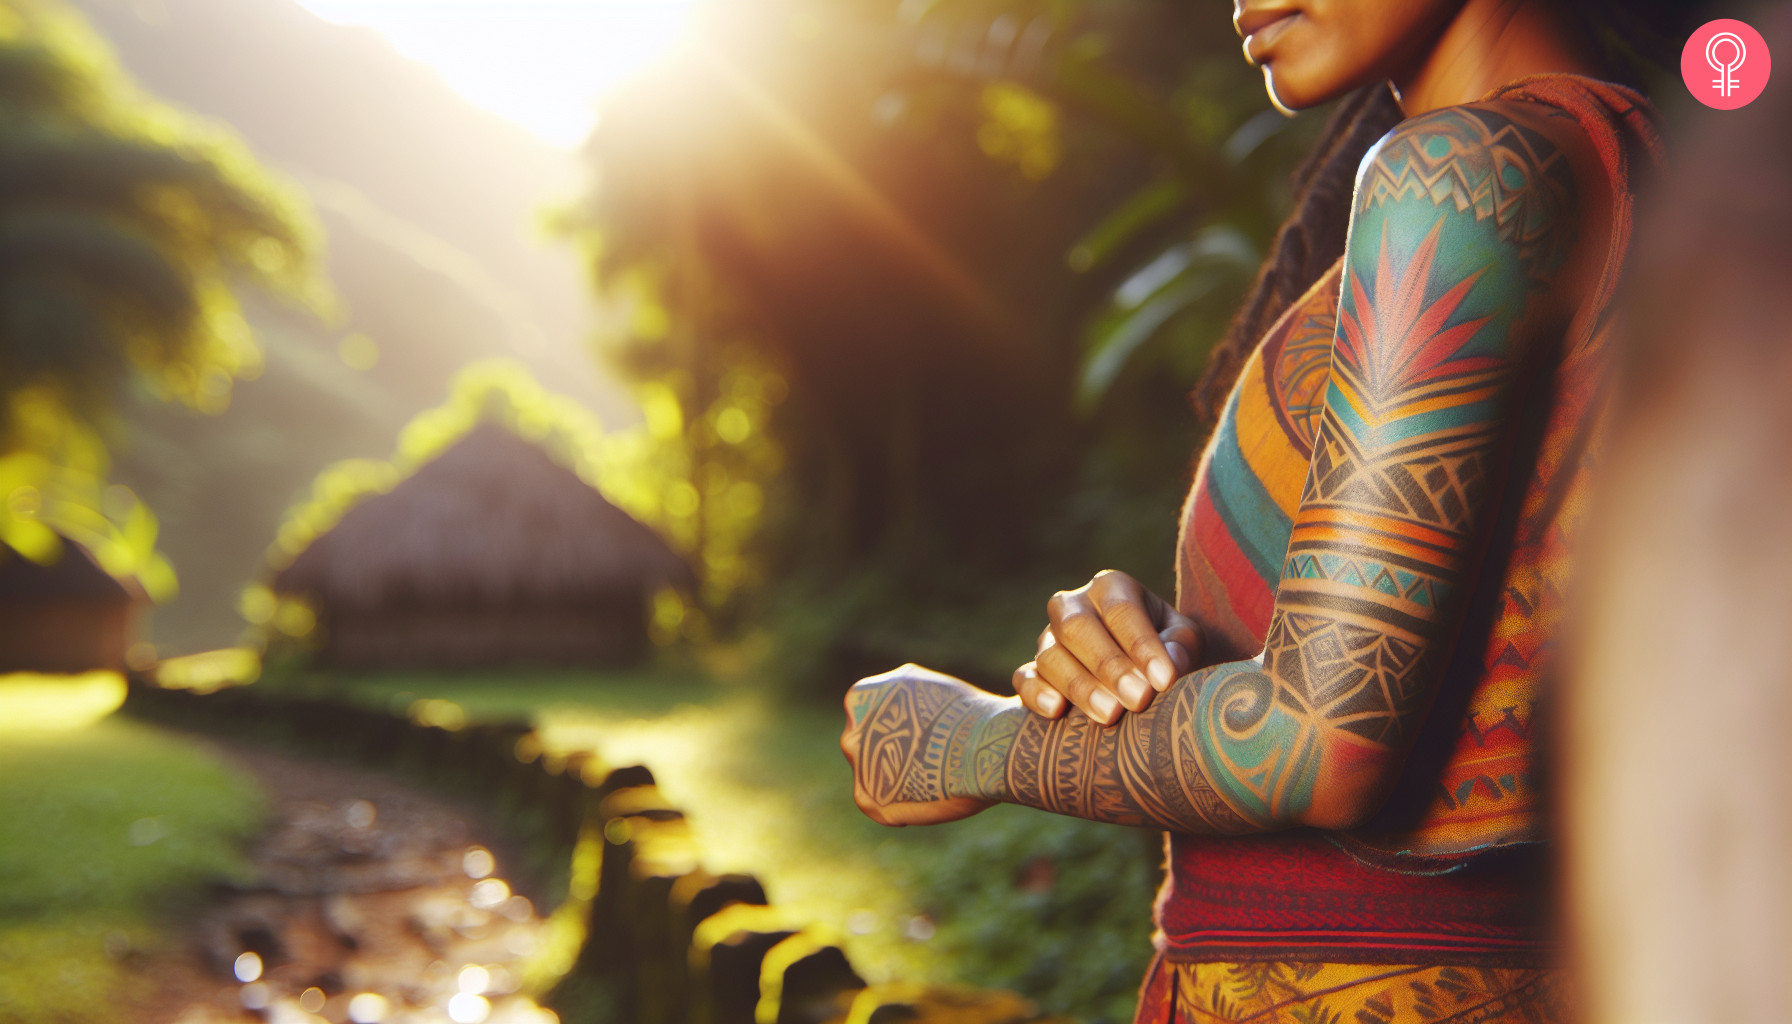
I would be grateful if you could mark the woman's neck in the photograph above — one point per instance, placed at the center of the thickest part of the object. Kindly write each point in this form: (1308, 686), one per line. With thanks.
(1490, 43)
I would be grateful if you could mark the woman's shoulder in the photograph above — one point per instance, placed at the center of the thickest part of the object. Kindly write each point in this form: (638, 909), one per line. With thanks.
(1533, 119)
(1527, 171)
(1478, 155)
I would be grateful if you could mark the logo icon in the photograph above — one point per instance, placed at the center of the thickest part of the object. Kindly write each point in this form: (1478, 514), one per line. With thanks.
(1726, 78)
(1725, 64)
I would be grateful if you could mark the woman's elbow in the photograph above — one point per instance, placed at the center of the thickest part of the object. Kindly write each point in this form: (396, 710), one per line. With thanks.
(1352, 784)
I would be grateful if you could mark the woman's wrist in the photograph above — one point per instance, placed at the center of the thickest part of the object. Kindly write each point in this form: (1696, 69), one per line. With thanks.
(976, 747)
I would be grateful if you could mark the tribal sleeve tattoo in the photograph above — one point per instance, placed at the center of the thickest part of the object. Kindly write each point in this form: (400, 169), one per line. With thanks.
(1461, 217)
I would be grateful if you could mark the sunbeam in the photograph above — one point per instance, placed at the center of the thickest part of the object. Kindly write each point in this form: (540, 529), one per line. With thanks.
(540, 63)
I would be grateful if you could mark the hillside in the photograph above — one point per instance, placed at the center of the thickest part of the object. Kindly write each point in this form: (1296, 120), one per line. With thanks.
(431, 208)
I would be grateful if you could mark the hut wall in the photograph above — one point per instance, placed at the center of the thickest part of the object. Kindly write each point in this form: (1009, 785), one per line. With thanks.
(65, 635)
(598, 632)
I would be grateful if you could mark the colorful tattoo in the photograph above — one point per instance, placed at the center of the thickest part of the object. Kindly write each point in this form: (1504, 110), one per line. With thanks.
(1461, 215)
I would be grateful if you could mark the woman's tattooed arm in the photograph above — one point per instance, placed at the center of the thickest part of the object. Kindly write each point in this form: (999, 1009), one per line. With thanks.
(1462, 218)
(923, 738)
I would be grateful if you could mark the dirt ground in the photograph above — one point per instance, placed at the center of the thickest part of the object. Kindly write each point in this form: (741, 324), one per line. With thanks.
(373, 903)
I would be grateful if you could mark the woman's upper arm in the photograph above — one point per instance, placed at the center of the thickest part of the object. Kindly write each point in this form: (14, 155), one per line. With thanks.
(1462, 218)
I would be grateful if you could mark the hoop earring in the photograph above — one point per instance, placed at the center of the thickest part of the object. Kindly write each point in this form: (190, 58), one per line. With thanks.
(1269, 87)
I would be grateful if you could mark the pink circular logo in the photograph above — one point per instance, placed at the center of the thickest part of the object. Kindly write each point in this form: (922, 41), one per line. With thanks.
(1725, 64)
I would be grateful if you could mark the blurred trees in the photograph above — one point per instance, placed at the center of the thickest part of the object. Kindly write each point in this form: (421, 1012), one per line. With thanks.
(432, 211)
(123, 227)
(982, 245)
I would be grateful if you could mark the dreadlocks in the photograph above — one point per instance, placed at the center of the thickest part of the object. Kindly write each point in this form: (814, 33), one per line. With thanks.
(1309, 242)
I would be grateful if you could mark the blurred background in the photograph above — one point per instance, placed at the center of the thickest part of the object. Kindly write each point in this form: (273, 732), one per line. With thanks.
(593, 382)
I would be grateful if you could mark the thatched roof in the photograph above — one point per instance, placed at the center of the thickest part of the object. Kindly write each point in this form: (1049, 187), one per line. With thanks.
(492, 520)
(74, 576)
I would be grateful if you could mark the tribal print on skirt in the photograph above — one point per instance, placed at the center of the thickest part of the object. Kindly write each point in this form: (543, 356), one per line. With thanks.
(1315, 993)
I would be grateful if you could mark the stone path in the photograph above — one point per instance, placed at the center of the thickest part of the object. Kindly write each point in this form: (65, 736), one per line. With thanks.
(373, 903)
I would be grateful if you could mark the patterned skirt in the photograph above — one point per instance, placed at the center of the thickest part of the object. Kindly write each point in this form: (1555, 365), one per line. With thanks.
(1282, 992)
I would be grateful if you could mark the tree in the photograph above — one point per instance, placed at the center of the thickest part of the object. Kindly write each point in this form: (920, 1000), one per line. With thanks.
(124, 226)
(984, 246)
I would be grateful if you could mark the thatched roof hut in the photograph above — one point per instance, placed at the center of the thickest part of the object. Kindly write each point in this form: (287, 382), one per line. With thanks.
(69, 616)
(491, 553)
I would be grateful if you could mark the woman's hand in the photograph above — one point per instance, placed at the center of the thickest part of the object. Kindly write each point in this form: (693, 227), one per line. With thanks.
(1111, 645)
(898, 777)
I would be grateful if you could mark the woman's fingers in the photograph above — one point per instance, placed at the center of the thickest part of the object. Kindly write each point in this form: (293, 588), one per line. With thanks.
(1110, 629)
(1037, 695)
(1180, 657)
(1081, 630)
(1136, 619)
(1110, 642)
(1061, 670)
(1181, 637)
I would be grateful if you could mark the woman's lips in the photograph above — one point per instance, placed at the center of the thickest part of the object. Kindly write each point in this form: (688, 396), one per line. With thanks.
(1261, 27)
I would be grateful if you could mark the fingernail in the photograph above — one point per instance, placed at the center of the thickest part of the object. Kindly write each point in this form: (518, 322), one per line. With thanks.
(1051, 702)
(1104, 704)
(1162, 673)
(1179, 655)
(1133, 688)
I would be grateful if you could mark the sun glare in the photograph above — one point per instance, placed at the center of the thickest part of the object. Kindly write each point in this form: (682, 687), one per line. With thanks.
(540, 63)
(30, 702)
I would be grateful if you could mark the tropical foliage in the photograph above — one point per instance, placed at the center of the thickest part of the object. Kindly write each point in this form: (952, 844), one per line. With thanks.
(124, 226)
(984, 247)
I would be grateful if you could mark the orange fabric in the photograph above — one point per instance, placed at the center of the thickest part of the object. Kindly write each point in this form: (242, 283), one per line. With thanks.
(1302, 993)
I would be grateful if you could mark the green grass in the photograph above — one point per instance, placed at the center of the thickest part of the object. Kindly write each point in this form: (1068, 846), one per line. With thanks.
(768, 792)
(105, 832)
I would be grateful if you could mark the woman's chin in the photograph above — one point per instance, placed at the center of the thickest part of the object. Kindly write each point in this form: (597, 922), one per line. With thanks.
(1285, 95)
(1274, 94)
(1291, 91)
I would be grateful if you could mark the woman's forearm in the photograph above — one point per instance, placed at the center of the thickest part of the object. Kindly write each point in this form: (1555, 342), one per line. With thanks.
(1147, 770)
(1228, 749)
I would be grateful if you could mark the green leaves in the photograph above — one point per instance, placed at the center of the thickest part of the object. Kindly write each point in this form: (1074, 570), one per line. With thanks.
(1149, 206)
(124, 227)
(1056, 908)
(1200, 276)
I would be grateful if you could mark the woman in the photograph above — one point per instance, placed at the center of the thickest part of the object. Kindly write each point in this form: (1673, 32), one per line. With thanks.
(1373, 551)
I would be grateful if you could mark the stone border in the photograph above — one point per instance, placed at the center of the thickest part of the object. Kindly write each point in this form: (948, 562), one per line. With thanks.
(653, 937)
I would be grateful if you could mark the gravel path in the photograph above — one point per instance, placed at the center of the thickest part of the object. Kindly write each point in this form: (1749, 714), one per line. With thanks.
(374, 903)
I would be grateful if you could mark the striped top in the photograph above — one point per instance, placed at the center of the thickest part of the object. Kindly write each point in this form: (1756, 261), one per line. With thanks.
(1448, 872)
(1469, 784)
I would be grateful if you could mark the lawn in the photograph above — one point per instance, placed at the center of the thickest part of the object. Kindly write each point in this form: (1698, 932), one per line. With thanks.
(1055, 908)
(107, 831)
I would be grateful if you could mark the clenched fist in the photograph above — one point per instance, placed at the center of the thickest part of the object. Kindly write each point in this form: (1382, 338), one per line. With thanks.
(898, 776)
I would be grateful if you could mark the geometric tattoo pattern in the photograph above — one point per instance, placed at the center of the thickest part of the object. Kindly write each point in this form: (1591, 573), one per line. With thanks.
(1475, 160)
(921, 741)
(1463, 211)
(1369, 680)
(1460, 215)
(1300, 366)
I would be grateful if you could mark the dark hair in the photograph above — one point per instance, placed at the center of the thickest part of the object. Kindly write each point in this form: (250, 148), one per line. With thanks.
(1309, 241)
(1636, 38)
